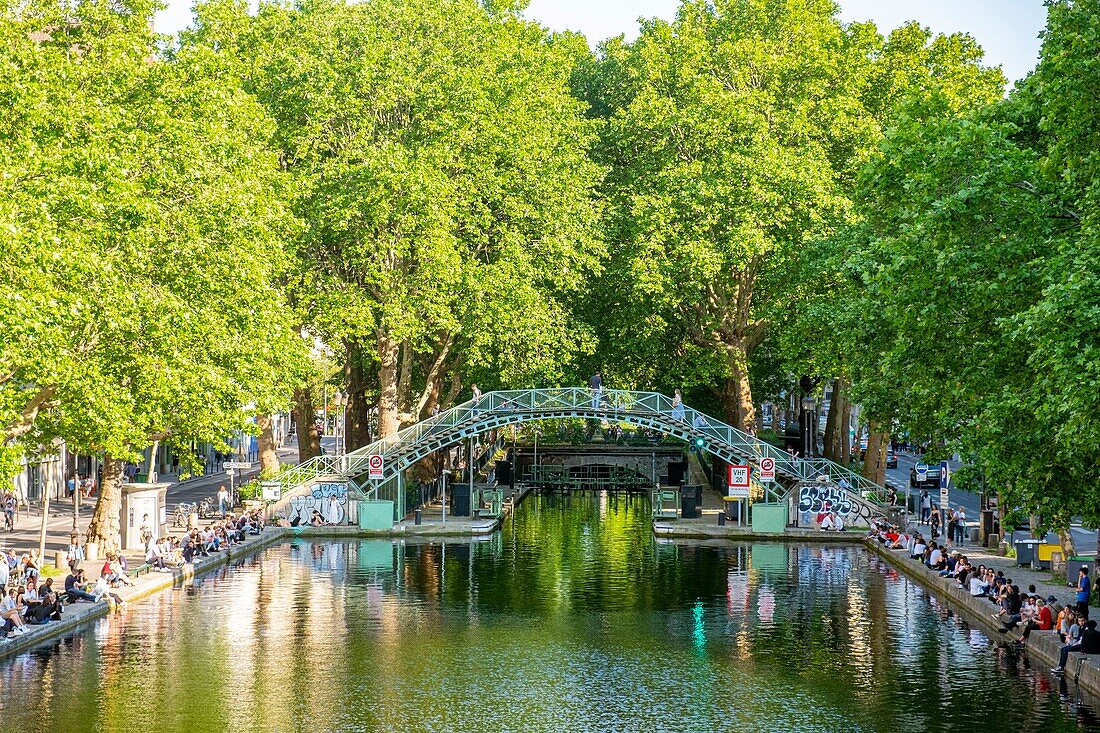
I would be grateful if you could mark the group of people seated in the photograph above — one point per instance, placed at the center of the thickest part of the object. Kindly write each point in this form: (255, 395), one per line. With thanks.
(1026, 611)
(221, 534)
(830, 521)
(25, 600)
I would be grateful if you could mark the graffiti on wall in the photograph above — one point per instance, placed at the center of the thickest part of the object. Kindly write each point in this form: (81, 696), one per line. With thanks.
(330, 499)
(819, 498)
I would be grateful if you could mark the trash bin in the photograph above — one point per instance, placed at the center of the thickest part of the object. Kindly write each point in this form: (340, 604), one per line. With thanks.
(689, 506)
(418, 517)
(1025, 551)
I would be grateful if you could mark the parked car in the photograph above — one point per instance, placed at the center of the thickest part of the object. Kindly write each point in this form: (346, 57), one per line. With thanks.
(891, 459)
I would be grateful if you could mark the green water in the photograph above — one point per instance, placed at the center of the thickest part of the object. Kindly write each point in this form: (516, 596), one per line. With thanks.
(571, 619)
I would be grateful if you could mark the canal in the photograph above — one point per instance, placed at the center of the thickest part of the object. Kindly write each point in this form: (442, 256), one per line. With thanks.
(572, 618)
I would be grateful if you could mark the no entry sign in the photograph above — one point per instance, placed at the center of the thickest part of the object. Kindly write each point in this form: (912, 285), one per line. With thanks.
(767, 469)
(374, 468)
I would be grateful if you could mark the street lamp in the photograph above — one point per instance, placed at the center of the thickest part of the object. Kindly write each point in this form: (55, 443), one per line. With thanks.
(809, 423)
(341, 424)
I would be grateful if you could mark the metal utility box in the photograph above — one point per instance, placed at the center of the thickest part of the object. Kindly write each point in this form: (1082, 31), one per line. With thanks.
(139, 500)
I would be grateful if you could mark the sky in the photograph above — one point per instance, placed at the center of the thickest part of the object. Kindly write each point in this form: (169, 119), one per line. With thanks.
(1008, 30)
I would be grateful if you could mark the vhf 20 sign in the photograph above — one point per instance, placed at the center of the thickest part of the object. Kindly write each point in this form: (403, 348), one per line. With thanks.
(737, 479)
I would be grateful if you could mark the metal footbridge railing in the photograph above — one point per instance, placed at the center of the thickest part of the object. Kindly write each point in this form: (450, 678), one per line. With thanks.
(498, 409)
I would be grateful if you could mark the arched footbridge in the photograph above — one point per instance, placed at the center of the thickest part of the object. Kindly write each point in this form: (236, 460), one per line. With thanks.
(499, 409)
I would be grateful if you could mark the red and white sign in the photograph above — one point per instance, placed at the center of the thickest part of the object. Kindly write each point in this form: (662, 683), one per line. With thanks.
(737, 482)
(738, 477)
(767, 470)
(374, 468)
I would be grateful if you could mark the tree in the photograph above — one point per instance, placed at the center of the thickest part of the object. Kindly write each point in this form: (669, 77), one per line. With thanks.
(729, 136)
(440, 166)
(161, 204)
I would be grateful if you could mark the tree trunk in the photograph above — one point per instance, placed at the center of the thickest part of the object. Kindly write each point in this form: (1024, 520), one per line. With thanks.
(737, 392)
(152, 469)
(309, 438)
(846, 433)
(388, 408)
(1065, 539)
(104, 528)
(269, 458)
(874, 461)
(357, 416)
(836, 426)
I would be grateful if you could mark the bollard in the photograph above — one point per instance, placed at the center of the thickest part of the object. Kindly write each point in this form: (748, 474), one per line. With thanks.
(418, 517)
(721, 519)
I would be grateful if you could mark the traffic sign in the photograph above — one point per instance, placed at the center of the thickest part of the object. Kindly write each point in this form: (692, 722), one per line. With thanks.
(738, 476)
(767, 469)
(229, 465)
(945, 483)
(374, 468)
(922, 471)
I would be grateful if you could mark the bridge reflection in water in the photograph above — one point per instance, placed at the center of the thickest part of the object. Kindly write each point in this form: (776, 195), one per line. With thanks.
(571, 618)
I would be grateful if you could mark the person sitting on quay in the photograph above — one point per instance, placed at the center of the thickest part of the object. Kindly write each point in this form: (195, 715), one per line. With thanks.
(1089, 643)
(5, 575)
(978, 584)
(28, 594)
(316, 520)
(918, 550)
(1067, 626)
(1010, 602)
(48, 607)
(75, 586)
(10, 614)
(103, 592)
(114, 570)
(1042, 621)
(935, 559)
(153, 555)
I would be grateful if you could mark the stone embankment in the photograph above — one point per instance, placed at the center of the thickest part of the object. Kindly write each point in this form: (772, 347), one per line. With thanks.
(1042, 646)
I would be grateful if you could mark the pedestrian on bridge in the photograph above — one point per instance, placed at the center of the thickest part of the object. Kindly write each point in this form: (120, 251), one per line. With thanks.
(595, 385)
(677, 406)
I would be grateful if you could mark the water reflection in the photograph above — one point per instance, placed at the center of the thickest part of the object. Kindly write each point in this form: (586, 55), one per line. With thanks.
(571, 618)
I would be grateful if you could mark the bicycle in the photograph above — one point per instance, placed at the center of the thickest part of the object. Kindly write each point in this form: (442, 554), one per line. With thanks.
(183, 511)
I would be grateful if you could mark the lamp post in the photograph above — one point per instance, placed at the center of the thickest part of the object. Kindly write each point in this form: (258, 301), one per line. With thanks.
(809, 422)
(340, 429)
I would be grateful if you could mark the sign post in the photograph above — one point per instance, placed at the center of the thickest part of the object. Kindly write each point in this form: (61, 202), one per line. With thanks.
(737, 488)
(945, 483)
(230, 468)
(374, 468)
(767, 470)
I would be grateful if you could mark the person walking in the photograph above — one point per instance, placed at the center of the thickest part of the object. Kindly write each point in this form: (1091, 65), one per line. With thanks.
(595, 386)
(677, 406)
(960, 526)
(223, 500)
(934, 521)
(925, 506)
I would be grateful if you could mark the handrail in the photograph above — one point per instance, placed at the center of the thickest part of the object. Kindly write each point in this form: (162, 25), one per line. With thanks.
(508, 407)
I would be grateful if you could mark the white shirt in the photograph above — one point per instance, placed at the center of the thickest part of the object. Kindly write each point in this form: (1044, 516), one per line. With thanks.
(102, 588)
(935, 557)
(7, 605)
(977, 586)
(827, 522)
(838, 523)
(919, 548)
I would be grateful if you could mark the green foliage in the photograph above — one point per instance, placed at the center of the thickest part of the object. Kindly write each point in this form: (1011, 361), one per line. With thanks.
(143, 216)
